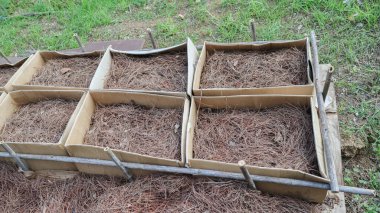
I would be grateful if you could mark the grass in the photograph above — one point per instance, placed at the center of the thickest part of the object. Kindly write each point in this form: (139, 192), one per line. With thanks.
(348, 34)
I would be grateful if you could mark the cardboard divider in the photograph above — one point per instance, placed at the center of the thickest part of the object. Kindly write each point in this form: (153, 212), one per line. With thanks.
(76, 148)
(37, 61)
(100, 77)
(22, 65)
(260, 102)
(210, 47)
(11, 104)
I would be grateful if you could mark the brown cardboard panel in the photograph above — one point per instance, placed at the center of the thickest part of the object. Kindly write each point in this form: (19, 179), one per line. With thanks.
(12, 102)
(100, 76)
(37, 61)
(285, 90)
(211, 46)
(123, 45)
(257, 102)
(76, 148)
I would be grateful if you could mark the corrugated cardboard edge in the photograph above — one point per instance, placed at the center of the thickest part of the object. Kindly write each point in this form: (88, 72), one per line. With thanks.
(10, 105)
(261, 101)
(36, 61)
(291, 90)
(76, 148)
(17, 64)
(22, 65)
(2, 96)
(100, 76)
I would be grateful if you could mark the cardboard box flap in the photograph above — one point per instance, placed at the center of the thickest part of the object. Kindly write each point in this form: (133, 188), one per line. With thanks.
(210, 46)
(55, 54)
(192, 58)
(28, 96)
(145, 99)
(15, 63)
(176, 48)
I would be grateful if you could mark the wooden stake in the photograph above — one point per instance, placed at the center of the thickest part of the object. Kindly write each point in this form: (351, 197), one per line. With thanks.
(118, 163)
(16, 158)
(150, 34)
(253, 29)
(324, 124)
(246, 174)
(79, 42)
(6, 59)
(327, 82)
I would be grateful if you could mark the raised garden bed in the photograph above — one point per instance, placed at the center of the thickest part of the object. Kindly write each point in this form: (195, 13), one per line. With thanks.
(38, 122)
(277, 136)
(245, 69)
(58, 71)
(138, 127)
(165, 71)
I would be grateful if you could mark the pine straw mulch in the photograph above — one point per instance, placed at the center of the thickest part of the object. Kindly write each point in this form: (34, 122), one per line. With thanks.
(254, 69)
(156, 72)
(153, 193)
(40, 122)
(128, 127)
(6, 73)
(66, 72)
(280, 137)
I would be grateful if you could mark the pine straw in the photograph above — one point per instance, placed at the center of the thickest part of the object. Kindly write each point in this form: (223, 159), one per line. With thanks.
(280, 137)
(68, 72)
(40, 122)
(250, 69)
(6, 73)
(153, 193)
(166, 72)
(128, 127)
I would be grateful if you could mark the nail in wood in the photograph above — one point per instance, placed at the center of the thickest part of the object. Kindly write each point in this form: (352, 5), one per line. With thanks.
(246, 174)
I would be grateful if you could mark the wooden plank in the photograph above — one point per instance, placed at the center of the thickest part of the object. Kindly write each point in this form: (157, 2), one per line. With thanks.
(333, 125)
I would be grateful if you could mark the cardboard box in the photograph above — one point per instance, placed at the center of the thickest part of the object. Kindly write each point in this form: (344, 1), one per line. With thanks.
(10, 105)
(100, 78)
(260, 102)
(209, 47)
(21, 65)
(76, 148)
(37, 61)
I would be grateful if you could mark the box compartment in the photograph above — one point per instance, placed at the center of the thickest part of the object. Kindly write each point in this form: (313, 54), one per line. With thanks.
(260, 52)
(83, 124)
(12, 103)
(57, 71)
(260, 102)
(142, 66)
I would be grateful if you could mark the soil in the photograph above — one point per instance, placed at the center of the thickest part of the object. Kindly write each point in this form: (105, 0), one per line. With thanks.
(40, 122)
(153, 193)
(280, 137)
(6, 73)
(150, 131)
(68, 72)
(254, 69)
(166, 72)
